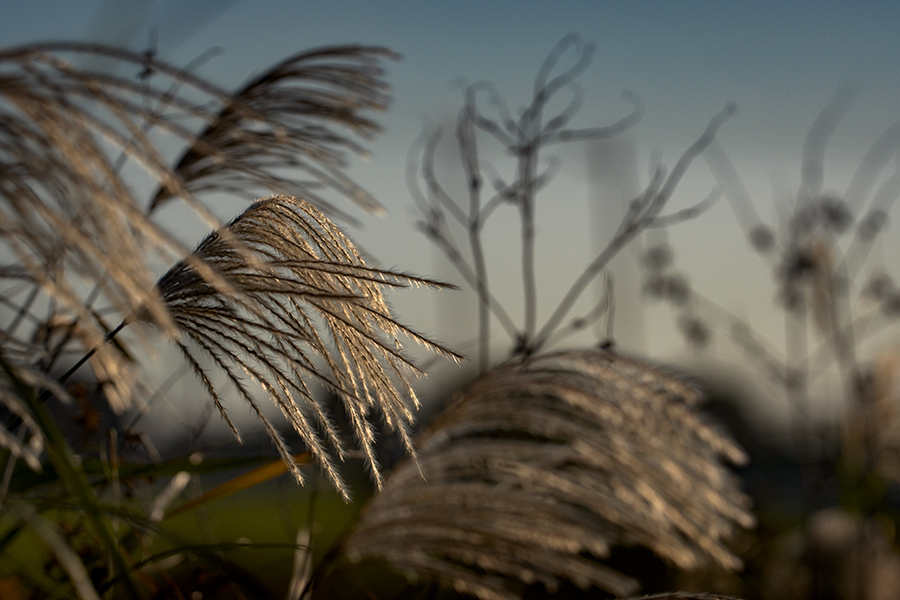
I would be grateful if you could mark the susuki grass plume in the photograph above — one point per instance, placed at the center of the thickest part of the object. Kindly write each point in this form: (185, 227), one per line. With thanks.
(303, 307)
(542, 465)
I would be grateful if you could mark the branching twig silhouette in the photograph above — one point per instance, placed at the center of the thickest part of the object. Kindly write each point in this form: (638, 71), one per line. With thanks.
(835, 302)
(524, 138)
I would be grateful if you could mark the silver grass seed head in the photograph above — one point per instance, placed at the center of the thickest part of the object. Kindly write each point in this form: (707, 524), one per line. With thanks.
(287, 302)
(545, 462)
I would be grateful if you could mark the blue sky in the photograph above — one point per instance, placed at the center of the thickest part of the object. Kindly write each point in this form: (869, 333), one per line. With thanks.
(779, 61)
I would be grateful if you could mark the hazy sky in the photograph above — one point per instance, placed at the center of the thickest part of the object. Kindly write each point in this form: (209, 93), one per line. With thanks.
(779, 61)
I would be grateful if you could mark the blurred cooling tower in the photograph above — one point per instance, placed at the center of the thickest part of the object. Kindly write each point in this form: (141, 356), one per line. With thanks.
(612, 172)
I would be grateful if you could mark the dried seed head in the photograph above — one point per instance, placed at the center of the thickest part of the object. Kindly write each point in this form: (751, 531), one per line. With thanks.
(872, 224)
(542, 465)
(285, 299)
(658, 257)
(836, 215)
(761, 238)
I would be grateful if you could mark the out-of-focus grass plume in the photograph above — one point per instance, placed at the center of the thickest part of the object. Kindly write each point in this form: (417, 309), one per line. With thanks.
(543, 464)
(293, 116)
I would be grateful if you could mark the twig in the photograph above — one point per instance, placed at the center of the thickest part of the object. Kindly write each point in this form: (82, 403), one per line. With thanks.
(641, 214)
(465, 134)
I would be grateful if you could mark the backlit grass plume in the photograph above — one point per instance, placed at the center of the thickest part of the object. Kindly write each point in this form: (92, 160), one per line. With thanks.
(290, 303)
(544, 464)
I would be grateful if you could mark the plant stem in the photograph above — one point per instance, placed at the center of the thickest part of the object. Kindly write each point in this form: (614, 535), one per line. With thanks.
(465, 133)
(526, 208)
(106, 339)
(23, 310)
(599, 263)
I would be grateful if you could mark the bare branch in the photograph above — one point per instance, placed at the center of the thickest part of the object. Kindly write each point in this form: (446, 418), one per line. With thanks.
(688, 213)
(641, 214)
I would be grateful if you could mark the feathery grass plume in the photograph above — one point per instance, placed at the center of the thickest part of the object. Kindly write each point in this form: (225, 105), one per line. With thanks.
(542, 465)
(304, 308)
(281, 119)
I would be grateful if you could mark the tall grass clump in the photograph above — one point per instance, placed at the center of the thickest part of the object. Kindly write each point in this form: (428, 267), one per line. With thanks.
(542, 466)
(524, 484)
